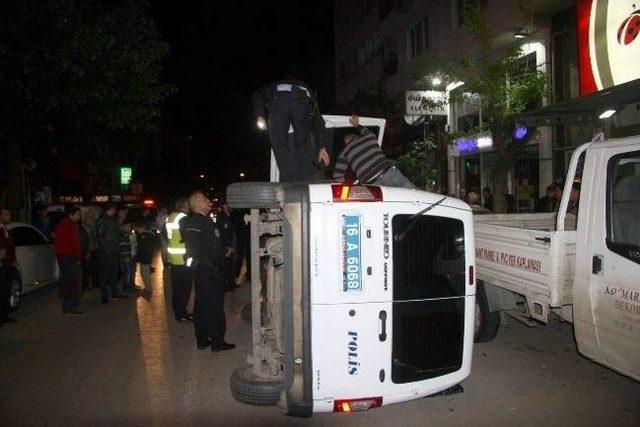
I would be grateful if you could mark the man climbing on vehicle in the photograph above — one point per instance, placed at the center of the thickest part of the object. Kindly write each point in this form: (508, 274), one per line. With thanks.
(366, 159)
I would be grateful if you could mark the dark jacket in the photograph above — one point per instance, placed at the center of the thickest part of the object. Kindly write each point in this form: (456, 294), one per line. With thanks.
(547, 204)
(202, 239)
(6, 243)
(108, 234)
(124, 245)
(146, 247)
(223, 224)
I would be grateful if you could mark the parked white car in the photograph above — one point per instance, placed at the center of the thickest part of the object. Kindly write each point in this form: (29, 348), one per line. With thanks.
(36, 261)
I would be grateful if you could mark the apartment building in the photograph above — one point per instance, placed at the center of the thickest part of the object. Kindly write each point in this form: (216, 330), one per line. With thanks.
(377, 44)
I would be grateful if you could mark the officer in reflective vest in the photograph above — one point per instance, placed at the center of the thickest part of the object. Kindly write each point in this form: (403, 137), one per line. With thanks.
(178, 265)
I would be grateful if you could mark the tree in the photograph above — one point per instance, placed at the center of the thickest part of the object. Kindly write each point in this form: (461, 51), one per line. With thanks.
(502, 87)
(83, 72)
(417, 163)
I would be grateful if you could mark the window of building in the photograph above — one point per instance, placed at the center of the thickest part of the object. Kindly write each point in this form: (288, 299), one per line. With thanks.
(385, 7)
(344, 72)
(370, 49)
(418, 39)
(361, 56)
(364, 6)
(462, 4)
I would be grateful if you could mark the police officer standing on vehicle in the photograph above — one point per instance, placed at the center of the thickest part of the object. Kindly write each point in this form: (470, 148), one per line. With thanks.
(285, 103)
(176, 251)
(206, 248)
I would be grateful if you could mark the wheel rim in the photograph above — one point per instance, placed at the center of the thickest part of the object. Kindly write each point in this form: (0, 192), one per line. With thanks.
(16, 294)
(477, 319)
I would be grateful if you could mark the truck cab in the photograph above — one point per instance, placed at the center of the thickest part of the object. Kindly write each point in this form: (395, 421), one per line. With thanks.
(367, 294)
(606, 285)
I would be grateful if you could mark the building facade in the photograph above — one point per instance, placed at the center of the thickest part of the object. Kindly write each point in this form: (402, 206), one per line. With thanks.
(378, 43)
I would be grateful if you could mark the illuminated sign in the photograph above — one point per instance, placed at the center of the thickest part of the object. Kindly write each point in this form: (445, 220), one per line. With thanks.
(471, 145)
(608, 43)
(414, 103)
(125, 175)
(70, 199)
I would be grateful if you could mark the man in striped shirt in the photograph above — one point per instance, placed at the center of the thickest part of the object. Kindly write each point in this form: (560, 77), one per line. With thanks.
(367, 160)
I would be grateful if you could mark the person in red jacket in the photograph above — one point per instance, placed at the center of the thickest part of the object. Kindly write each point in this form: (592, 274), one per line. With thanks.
(68, 250)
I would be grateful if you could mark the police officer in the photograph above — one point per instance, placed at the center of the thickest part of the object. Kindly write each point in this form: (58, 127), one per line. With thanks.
(223, 223)
(287, 103)
(204, 245)
(180, 280)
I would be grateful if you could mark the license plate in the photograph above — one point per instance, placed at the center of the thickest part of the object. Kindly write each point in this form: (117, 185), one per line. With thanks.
(351, 265)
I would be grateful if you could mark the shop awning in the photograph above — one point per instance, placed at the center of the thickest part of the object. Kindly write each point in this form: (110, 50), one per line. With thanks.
(587, 107)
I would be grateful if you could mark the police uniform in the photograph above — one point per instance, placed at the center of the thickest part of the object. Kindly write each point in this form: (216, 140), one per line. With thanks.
(204, 245)
(180, 280)
(223, 223)
(291, 102)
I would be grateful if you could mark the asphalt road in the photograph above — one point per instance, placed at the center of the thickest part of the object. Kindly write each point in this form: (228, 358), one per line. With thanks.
(130, 363)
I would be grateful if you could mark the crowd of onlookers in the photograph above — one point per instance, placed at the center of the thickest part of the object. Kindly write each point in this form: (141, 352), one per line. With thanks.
(549, 203)
(105, 247)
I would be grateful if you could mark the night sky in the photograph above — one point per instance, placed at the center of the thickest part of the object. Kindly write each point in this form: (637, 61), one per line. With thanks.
(220, 52)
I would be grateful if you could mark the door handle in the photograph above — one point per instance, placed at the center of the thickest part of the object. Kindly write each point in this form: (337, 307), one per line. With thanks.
(596, 264)
(383, 317)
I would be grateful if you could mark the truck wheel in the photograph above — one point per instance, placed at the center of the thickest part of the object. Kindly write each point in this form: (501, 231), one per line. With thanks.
(254, 195)
(249, 389)
(487, 322)
(15, 291)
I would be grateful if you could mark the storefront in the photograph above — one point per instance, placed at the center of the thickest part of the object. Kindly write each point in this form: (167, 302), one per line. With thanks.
(593, 52)
(473, 169)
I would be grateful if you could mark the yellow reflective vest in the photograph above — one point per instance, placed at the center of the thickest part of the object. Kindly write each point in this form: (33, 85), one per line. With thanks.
(175, 248)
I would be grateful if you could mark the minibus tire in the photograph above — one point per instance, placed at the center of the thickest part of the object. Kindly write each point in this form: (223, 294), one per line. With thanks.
(489, 320)
(254, 195)
(247, 388)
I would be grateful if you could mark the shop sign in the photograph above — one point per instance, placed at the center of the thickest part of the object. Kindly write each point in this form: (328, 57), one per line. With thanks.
(608, 43)
(125, 175)
(414, 103)
(70, 199)
(473, 144)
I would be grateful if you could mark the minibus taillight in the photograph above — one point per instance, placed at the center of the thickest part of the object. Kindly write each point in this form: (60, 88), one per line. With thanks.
(357, 405)
(356, 193)
(471, 282)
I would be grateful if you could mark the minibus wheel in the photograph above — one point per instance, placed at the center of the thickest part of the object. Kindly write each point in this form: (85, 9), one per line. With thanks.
(254, 195)
(247, 387)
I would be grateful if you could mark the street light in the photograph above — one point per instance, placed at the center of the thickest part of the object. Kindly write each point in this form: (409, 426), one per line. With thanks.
(521, 33)
(241, 174)
(436, 81)
(202, 176)
(607, 114)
